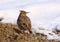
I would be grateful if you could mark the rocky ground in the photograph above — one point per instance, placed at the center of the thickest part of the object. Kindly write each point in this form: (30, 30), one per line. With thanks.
(10, 33)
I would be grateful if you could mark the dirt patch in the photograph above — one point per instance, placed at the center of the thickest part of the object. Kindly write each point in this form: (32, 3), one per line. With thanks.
(10, 33)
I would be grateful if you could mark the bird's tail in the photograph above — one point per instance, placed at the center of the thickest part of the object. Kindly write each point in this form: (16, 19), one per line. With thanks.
(30, 31)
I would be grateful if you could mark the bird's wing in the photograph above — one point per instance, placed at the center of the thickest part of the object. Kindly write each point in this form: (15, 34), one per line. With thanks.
(25, 23)
(28, 23)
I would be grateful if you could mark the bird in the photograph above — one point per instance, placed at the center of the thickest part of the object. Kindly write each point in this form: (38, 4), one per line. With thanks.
(24, 22)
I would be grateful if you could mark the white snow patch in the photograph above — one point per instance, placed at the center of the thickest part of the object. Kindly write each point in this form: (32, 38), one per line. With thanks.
(49, 33)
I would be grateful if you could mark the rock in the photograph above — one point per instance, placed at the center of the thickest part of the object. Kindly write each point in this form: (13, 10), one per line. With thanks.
(58, 28)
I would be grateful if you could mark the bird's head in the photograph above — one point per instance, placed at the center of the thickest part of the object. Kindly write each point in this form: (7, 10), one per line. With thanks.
(23, 12)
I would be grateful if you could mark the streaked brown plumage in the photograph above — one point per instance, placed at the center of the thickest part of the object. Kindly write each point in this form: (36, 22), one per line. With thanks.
(24, 22)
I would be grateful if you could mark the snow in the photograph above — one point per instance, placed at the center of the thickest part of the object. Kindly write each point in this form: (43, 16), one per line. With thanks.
(9, 20)
(49, 33)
